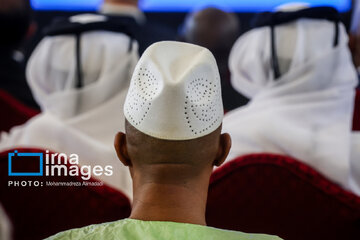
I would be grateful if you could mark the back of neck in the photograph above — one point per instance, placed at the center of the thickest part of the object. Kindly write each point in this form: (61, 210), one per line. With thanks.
(174, 202)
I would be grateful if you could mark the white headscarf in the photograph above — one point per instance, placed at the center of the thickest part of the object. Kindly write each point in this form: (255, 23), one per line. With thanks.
(307, 112)
(82, 121)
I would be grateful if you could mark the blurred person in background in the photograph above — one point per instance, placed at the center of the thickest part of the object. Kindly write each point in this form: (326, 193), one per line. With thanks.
(16, 26)
(128, 13)
(303, 106)
(217, 31)
(354, 44)
(170, 157)
(79, 119)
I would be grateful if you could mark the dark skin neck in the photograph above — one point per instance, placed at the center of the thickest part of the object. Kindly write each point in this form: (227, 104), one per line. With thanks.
(175, 199)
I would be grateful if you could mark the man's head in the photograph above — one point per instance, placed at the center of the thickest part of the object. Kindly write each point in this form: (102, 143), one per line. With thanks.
(125, 2)
(159, 159)
(107, 60)
(295, 45)
(174, 114)
(15, 20)
(212, 28)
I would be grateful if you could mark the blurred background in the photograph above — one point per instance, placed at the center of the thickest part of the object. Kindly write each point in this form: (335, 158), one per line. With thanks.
(172, 13)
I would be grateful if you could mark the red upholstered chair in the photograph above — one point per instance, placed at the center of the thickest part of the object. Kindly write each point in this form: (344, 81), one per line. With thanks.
(265, 193)
(356, 121)
(38, 212)
(13, 112)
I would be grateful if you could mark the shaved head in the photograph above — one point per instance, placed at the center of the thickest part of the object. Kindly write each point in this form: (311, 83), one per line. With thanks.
(187, 158)
(145, 149)
(170, 176)
(212, 28)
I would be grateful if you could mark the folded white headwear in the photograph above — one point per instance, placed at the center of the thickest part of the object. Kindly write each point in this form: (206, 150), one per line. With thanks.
(106, 65)
(175, 92)
(80, 120)
(305, 113)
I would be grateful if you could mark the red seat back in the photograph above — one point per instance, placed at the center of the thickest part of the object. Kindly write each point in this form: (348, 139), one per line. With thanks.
(356, 121)
(278, 195)
(13, 112)
(38, 212)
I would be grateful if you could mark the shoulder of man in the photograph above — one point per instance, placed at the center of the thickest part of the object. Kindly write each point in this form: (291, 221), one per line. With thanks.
(97, 231)
(232, 235)
(135, 229)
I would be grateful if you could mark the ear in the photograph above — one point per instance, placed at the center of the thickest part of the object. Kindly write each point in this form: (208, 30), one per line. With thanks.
(121, 149)
(224, 148)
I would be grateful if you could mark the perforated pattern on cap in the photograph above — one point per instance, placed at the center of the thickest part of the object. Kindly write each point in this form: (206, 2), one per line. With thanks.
(144, 87)
(203, 104)
(175, 92)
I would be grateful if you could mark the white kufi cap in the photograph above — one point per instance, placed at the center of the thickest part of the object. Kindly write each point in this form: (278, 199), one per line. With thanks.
(175, 92)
